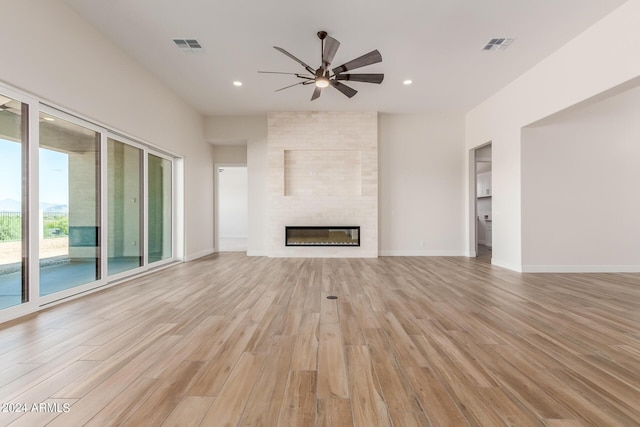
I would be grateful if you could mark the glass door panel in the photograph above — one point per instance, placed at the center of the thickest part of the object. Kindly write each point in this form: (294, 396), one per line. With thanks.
(69, 157)
(13, 202)
(124, 207)
(159, 208)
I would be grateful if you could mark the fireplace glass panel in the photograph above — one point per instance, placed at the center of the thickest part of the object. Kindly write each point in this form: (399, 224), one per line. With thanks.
(322, 236)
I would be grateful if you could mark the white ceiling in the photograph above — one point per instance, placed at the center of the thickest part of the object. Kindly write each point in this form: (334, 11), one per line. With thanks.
(436, 43)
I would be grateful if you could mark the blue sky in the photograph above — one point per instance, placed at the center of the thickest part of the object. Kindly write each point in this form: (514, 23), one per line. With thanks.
(54, 174)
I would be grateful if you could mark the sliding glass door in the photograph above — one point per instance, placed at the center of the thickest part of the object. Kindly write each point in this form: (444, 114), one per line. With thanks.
(81, 206)
(13, 202)
(69, 158)
(160, 218)
(124, 203)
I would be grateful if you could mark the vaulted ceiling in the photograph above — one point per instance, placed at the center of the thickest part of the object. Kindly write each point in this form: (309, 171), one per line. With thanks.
(435, 43)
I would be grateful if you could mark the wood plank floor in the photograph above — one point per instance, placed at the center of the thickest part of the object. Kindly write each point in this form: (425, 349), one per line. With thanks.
(230, 340)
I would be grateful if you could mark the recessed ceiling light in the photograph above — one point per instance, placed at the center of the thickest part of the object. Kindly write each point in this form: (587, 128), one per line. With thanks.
(237, 83)
(407, 82)
(50, 119)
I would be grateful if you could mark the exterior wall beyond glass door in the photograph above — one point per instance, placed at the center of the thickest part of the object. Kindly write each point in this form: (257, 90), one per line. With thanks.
(69, 165)
(124, 202)
(13, 198)
(159, 208)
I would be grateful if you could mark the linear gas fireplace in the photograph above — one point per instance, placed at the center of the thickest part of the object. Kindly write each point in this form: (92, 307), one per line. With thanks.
(322, 236)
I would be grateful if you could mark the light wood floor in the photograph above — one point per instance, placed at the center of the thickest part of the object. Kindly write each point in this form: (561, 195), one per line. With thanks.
(231, 340)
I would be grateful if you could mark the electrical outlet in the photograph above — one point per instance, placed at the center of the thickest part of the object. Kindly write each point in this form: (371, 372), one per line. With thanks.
(421, 242)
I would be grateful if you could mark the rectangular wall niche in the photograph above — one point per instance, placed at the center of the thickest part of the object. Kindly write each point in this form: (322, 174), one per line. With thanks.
(322, 173)
(322, 236)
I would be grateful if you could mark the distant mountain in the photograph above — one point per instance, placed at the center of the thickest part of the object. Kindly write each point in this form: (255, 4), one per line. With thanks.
(50, 207)
(11, 205)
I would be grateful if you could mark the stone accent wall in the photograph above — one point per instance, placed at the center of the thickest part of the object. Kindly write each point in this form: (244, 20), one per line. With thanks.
(323, 170)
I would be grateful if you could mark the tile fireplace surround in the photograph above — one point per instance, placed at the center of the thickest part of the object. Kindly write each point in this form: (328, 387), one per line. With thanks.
(323, 171)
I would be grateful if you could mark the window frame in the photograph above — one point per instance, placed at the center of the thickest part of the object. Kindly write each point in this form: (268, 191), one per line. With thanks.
(174, 204)
(143, 217)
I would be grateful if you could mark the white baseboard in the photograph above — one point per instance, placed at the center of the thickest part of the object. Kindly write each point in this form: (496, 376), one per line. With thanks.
(581, 268)
(508, 266)
(422, 253)
(258, 252)
(192, 257)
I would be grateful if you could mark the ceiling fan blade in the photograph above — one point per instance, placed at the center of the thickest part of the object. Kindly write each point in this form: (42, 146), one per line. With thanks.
(287, 87)
(308, 68)
(346, 90)
(316, 93)
(300, 76)
(366, 78)
(277, 72)
(366, 59)
(331, 46)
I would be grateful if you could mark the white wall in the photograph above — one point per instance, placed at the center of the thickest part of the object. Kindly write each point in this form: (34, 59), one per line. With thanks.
(252, 132)
(55, 55)
(421, 172)
(580, 177)
(230, 153)
(599, 59)
(257, 167)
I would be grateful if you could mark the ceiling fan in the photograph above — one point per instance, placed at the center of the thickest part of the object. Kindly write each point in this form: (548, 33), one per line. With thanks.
(324, 77)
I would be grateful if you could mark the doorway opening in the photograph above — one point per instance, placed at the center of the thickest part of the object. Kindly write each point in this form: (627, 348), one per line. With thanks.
(232, 208)
(483, 203)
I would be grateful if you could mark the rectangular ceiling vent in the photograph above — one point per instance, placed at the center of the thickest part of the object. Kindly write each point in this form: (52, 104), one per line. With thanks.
(188, 45)
(498, 44)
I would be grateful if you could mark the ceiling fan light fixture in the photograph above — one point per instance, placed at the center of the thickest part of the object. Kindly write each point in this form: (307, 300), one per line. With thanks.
(322, 82)
(325, 76)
